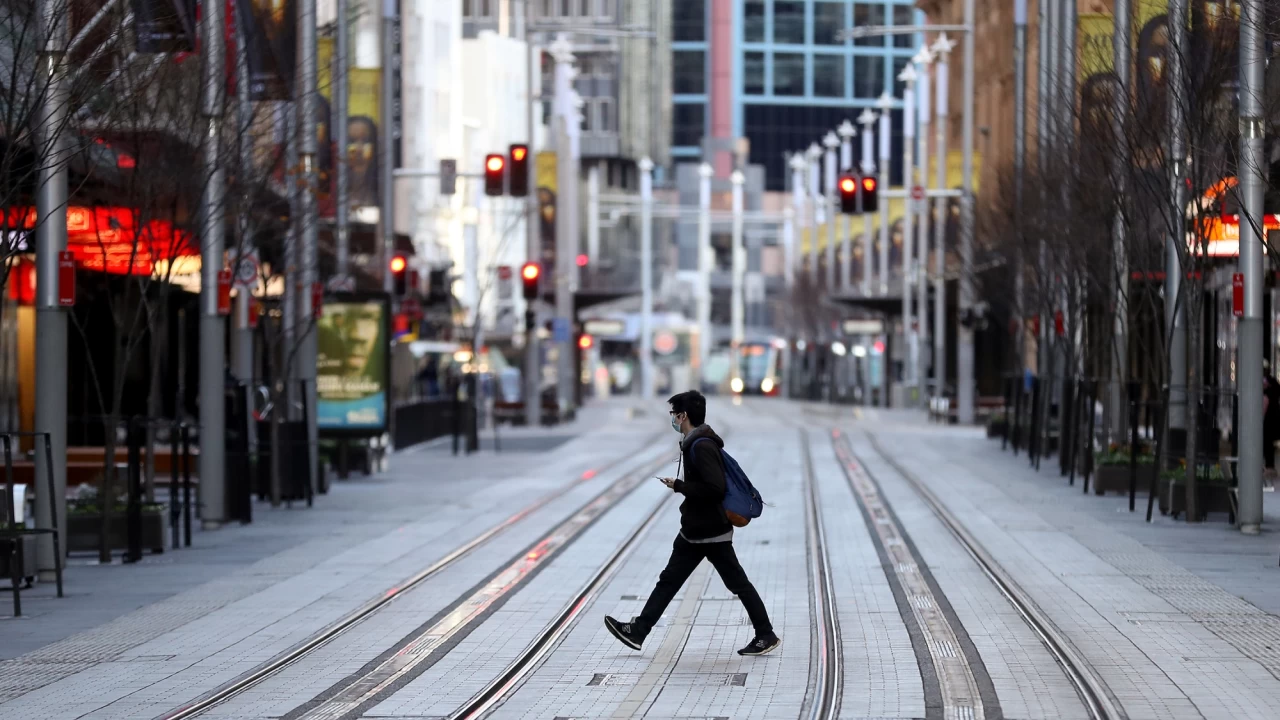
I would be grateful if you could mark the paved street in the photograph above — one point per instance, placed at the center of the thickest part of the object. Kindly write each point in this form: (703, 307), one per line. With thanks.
(1060, 605)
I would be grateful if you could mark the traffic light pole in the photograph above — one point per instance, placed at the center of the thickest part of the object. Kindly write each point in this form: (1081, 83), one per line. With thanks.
(868, 121)
(532, 361)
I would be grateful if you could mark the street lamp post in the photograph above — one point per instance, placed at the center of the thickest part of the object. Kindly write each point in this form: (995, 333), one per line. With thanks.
(868, 121)
(942, 53)
(885, 103)
(831, 143)
(924, 63)
(646, 278)
(964, 358)
(738, 257)
(908, 77)
(813, 155)
(1252, 166)
(705, 173)
(797, 202)
(847, 132)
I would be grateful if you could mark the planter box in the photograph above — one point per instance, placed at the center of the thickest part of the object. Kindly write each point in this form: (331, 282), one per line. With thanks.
(26, 558)
(82, 531)
(1115, 479)
(1212, 498)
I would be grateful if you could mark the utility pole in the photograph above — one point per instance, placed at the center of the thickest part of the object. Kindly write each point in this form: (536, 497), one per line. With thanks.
(309, 216)
(1019, 170)
(1252, 184)
(942, 53)
(387, 215)
(908, 77)
(964, 359)
(739, 260)
(885, 103)
(51, 318)
(847, 133)
(532, 355)
(924, 63)
(1176, 312)
(565, 121)
(341, 75)
(868, 121)
(797, 201)
(646, 278)
(1119, 246)
(213, 502)
(705, 173)
(831, 143)
(814, 155)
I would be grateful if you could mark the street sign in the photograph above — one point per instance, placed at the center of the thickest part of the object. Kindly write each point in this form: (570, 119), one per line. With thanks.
(66, 279)
(246, 270)
(1237, 294)
(863, 327)
(560, 330)
(917, 193)
(448, 176)
(224, 292)
(604, 328)
(665, 343)
(505, 275)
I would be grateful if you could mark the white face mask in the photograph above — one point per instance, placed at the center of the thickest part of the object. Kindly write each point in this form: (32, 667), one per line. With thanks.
(675, 423)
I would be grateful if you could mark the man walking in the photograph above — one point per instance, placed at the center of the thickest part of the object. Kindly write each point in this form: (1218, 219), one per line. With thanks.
(705, 532)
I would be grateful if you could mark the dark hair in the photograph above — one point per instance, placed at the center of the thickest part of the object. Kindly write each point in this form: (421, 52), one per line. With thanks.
(691, 403)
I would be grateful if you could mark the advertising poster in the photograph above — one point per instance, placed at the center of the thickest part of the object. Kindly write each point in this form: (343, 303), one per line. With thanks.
(352, 365)
(165, 26)
(363, 121)
(270, 31)
(326, 151)
(545, 178)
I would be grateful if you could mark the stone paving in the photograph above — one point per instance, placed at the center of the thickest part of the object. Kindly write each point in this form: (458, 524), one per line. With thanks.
(1180, 621)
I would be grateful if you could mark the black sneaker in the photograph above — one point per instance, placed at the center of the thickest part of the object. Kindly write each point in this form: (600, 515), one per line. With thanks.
(627, 633)
(762, 645)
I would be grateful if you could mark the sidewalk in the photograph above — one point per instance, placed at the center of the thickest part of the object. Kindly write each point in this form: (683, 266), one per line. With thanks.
(1180, 620)
(236, 561)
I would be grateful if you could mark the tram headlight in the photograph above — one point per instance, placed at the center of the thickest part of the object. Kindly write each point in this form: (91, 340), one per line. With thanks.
(736, 385)
(766, 385)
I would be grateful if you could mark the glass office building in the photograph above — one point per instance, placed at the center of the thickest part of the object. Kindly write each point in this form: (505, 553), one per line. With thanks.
(778, 73)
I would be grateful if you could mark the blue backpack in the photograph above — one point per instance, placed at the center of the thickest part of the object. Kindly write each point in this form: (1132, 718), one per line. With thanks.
(742, 502)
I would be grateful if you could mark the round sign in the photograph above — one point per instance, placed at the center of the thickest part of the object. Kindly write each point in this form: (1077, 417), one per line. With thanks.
(917, 192)
(247, 270)
(665, 343)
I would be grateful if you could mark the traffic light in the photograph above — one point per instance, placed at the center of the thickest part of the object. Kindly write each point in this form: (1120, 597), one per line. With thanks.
(870, 194)
(399, 266)
(848, 194)
(518, 185)
(494, 173)
(529, 276)
(585, 341)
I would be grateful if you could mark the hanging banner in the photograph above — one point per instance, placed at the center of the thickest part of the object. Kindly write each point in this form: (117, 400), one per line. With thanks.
(270, 30)
(164, 26)
(545, 176)
(396, 115)
(363, 121)
(326, 151)
(352, 364)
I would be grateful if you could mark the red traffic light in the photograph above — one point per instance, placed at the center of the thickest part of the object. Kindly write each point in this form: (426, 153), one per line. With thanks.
(398, 264)
(848, 185)
(529, 275)
(494, 163)
(518, 182)
(585, 342)
(868, 183)
(582, 260)
(530, 271)
(495, 175)
(519, 152)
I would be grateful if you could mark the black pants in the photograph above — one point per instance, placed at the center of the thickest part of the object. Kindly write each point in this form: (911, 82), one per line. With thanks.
(685, 557)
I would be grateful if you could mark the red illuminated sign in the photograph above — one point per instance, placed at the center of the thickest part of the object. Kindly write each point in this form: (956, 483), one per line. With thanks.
(66, 279)
(224, 292)
(1237, 294)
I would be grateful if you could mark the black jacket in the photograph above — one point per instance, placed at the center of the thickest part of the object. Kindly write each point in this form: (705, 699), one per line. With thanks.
(702, 512)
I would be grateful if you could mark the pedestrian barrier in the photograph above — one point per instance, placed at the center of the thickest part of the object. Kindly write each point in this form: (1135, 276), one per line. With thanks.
(14, 533)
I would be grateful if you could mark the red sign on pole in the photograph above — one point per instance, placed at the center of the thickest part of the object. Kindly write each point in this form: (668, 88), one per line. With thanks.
(917, 193)
(224, 292)
(1059, 323)
(1237, 294)
(317, 299)
(66, 279)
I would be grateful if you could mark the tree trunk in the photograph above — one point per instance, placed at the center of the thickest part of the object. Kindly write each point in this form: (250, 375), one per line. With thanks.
(1194, 383)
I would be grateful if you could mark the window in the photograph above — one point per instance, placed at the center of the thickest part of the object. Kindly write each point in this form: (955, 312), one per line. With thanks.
(828, 22)
(868, 76)
(689, 74)
(903, 15)
(566, 8)
(788, 22)
(466, 8)
(753, 73)
(689, 21)
(588, 109)
(828, 75)
(753, 21)
(584, 8)
(788, 74)
(604, 9)
(865, 15)
(607, 121)
(688, 125)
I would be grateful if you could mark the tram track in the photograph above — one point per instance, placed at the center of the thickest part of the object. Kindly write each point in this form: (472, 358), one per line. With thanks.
(826, 668)
(961, 688)
(599, 503)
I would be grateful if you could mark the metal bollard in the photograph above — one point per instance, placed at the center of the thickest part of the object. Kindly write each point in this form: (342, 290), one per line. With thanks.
(133, 522)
